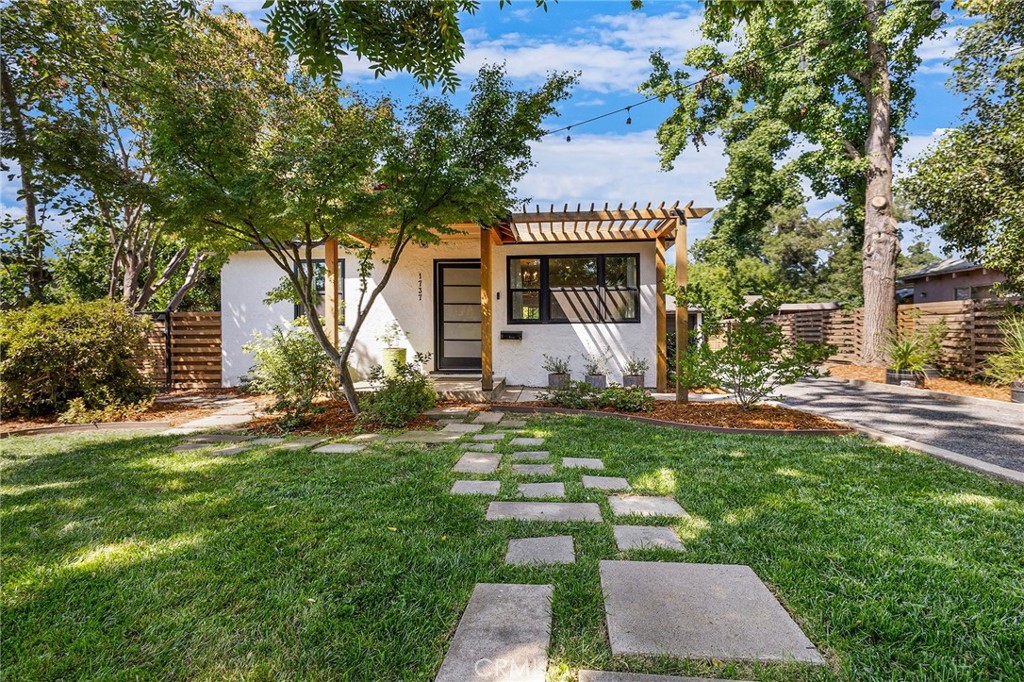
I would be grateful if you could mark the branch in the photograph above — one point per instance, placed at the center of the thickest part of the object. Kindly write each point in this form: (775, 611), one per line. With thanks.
(851, 151)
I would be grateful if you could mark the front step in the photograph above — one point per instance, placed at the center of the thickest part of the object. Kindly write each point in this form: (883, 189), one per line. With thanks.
(465, 387)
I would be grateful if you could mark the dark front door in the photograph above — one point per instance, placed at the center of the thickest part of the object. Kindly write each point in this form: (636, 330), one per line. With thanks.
(457, 333)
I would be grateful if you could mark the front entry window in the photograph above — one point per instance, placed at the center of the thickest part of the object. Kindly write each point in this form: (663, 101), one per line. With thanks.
(574, 289)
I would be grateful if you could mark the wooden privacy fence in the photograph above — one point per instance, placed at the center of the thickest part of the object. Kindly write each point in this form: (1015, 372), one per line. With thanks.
(185, 350)
(972, 329)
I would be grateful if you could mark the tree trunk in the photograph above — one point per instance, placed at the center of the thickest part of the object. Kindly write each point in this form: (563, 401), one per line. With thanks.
(881, 244)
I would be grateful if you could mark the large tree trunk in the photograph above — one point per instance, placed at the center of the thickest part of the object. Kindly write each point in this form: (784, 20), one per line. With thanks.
(881, 244)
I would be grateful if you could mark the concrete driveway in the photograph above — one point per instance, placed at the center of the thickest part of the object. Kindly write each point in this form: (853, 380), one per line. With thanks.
(993, 434)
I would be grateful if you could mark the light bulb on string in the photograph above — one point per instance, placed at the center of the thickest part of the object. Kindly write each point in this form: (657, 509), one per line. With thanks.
(936, 13)
(568, 137)
(629, 118)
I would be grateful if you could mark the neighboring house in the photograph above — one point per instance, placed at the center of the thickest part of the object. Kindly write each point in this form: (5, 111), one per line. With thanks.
(561, 283)
(953, 279)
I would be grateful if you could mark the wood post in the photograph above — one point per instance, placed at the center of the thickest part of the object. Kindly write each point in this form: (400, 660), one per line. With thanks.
(661, 316)
(486, 311)
(682, 313)
(331, 290)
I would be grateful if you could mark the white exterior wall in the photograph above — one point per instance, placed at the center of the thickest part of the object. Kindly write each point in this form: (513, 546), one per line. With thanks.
(409, 299)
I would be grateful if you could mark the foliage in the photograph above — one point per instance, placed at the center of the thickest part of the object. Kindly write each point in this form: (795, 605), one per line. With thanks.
(969, 184)
(576, 395)
(635, 366)
(758, 357)
(391, 335)
(1007, 366)
(554, 365)
(913, 349)
(54, 353)
(290, 365)
(399, 398)
(117, 411)
(698, 368)
(594, 363)
(632, 399)
(917, 257)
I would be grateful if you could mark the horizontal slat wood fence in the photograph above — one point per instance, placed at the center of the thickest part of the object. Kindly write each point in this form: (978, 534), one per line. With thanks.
(191, 345)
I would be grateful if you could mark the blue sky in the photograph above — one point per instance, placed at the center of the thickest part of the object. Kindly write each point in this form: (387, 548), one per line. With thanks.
(609, 44)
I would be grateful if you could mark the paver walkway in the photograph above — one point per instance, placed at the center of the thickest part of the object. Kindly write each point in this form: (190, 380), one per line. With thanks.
(991, 434)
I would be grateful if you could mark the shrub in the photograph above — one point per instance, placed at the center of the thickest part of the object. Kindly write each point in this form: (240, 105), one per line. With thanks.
(553, 365)
(635, 366)
(1007, 366)
(78, 413)
(633, 399)
(577, 395)
(398, 399)
(595, 364)
(291, 366)
(52, 354)
(758, 358)
(698, 367)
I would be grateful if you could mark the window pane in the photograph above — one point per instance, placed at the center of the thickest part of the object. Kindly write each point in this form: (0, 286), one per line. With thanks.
(622, 305)
(576, 305)
(525, 273)
(620, 271)
(525, 305)
(572, 272)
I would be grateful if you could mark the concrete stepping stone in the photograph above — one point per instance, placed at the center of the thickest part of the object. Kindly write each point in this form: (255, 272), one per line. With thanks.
(489, 436)
(426, 437)
(479, 447)
(526, 441)
(476, 487)
(715, 611)
(502, 637)
(605, 482)
(266, 441)
(599, 676)
(339, 449)
(488, 417)
(552, 550)
(645, 505)
(452, 412)
(513, 423)
(233, 450)
(220, 438)
(462, 428)
(646, 537)
(299, 443)
(533, 469)
(530, 455)
(366, 437)
(542, 489)
(544, 511)
(185, 447)
(477, 463)
(582, 463)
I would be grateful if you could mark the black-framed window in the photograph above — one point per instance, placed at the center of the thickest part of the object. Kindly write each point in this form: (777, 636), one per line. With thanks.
(565, 289)
(320, 279)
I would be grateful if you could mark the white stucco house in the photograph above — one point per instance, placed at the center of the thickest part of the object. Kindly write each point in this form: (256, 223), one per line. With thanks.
(490, 302)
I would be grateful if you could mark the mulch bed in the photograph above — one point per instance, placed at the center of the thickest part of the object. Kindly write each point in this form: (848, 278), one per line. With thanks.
(966, 388)
(336, 419)
(723, 415)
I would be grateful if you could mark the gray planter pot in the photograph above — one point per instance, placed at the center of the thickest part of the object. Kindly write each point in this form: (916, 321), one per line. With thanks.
(931, 372)
(1017, 392)
(598, 381)
(904, 377)
(558, 380)
(633, 380)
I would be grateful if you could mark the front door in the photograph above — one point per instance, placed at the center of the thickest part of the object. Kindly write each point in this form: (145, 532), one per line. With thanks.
(457, 328)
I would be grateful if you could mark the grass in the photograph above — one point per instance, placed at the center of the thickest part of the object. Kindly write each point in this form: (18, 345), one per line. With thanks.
(122, 560)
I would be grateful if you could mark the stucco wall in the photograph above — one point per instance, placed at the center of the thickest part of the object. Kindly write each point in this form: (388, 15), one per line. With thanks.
(409, 299)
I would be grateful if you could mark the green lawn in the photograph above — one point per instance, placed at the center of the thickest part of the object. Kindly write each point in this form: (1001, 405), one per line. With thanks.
(122, 560)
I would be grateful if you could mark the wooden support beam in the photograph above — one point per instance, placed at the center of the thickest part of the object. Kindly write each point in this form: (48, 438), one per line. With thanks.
(331, 285)
(486, 313)
(682, 314)
(661, 316)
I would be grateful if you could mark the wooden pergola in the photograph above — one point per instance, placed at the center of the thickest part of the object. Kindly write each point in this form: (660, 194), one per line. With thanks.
(660, 224)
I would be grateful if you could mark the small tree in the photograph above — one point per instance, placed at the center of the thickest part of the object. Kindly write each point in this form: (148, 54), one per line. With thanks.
(758, 358)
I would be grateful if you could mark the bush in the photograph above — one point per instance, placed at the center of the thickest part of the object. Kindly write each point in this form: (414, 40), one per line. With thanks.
(78, 413)
(577, 395)
(398, 399)
(291, 366)
(758, 358)
(52, 354)
(698, 368)
(633, 399)
(1007, 366)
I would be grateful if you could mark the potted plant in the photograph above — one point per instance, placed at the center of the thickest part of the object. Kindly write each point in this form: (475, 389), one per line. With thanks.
(633, 372)
(557, 369)
(394, 354)
(1007, 367)
(595, 366)
(907, 357)
(933, 338)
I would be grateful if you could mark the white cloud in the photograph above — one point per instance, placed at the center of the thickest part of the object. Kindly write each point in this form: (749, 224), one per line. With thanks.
(913, 147)
(614, 168)
(936, 50)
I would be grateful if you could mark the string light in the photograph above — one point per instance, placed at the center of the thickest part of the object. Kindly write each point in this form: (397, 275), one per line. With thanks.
(721, 77)
(568, 138)
(936, 13)
(629, 119)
